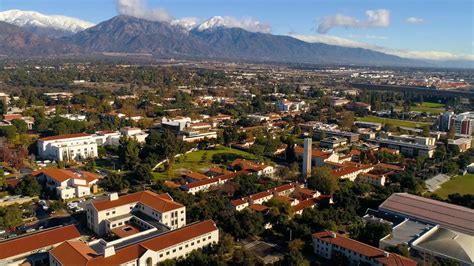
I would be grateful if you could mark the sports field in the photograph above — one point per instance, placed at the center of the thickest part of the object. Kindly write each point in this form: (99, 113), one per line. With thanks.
(393, 122)
(458, 184)
(431, 108)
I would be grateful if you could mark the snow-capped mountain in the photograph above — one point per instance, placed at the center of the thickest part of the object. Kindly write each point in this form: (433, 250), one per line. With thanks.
(247, 24)
(212, 23)
(49, 25)
(186, 23)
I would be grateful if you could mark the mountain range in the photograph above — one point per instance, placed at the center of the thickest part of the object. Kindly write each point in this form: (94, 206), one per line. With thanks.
(212, 39)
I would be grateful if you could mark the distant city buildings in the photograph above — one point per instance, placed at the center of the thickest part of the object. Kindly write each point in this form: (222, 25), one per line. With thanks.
(463, 123)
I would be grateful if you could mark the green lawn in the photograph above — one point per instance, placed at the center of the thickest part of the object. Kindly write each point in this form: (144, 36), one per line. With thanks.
(431, 108)
(198, 161)
(458, 184)
(393, 122)
(432, 105)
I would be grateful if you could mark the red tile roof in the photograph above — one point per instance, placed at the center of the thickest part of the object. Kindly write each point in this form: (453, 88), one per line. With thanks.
(67, 136)
(214, 179)
(363, 249)
(61, 175)
(309, 203)
(260, 195)
(314, 153)
(73, 253)
(10, 117)
(195, 176)
(42, 239)
(161, 203)
(258, 207)
(238, 202)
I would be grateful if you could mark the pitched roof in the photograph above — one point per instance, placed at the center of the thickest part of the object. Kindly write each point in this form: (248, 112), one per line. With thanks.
(161, 203)
(73, 253)
(314, 153)
(42, 239)
(214, 179)
(258, 207)
(309, 203)
(363, 249)
(195, 175)
(66, 136)
(432, 211)
(61, 175)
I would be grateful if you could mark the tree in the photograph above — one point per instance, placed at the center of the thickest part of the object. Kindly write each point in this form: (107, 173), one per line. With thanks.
(143, 173)
(451, 168)
(10, 216)
(28, 186)
(129, 150)
(372, 232)
(294, 256)
(230, 135)
(115, 182)
(8, 131)
(347, 120)
(21, 126)
(90, 164)
(323, 180)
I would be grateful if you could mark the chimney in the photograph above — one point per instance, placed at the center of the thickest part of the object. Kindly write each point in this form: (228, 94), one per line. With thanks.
(386, 254)
(113, 196)
(109, 251)
(333, 235)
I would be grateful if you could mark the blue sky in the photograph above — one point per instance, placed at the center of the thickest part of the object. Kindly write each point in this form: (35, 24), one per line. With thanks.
(437, 26)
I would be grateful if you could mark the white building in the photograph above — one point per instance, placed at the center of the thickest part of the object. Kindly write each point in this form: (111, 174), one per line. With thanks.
(326, 244)
(142, 250)
(107, 137)
(134, 132)
(105, 215)
(66, 183)
(67, 147)
(289, 106)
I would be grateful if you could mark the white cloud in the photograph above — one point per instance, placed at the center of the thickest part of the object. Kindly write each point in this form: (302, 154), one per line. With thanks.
(375, 18)
(368, 36)
(187, 22)
(140, 9)
(414, 20)
(430, 55)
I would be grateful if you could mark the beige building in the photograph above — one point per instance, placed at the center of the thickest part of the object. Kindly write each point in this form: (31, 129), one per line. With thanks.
(147, 250)
(67, 147)
(33, 248)
(140, 207)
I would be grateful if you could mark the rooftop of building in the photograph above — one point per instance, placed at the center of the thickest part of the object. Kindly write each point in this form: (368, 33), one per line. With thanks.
(449, 243)
(158, 202)
(436, 212)
(79, 253)
(383, 257)
(38, 240)
(66, 136)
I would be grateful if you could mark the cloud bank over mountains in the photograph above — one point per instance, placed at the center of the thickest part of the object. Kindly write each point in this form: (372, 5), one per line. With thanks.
(375, 18)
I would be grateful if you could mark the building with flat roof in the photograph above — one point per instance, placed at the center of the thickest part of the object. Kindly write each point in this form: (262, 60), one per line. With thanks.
(431, 211)
(67, 147)
(141, 250)
(327, 243)
(33, 248)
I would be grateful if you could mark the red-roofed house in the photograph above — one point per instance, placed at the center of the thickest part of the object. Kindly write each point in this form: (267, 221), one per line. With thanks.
(327, 243)
(32, 247)
(105, 215)
(67, 183)
(142, 251)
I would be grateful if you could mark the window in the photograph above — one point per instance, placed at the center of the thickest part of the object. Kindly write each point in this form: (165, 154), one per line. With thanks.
(167, 252)
(186, 246)
(149, 262)
(209, 237)
(107, 214)
(161, 255)
(180, 248)
(192, 243)
(174, 250)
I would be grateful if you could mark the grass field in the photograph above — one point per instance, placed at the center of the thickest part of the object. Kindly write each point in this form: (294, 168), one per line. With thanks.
(458, 184)
(431, 108)
(393, 122)
(198, 161)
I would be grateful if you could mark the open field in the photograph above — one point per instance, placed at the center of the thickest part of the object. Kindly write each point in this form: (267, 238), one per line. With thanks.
(199, 161)
(393, 122)
(431, 108)
(458, 184)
